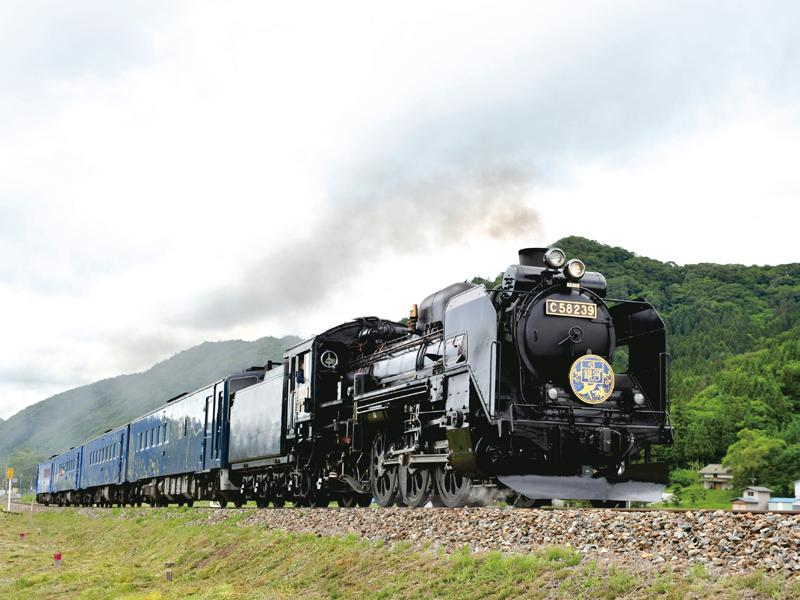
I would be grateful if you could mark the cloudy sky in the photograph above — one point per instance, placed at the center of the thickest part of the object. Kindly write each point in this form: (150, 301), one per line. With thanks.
(187, 171)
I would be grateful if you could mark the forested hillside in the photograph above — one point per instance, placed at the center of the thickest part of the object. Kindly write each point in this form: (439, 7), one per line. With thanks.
(734, 338)
(72, 417)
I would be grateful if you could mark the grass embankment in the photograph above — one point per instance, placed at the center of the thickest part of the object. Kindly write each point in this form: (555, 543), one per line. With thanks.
(687, 489)
(122, 553)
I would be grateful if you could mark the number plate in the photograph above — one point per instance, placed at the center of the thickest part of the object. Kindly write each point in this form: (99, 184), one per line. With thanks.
(565, 308)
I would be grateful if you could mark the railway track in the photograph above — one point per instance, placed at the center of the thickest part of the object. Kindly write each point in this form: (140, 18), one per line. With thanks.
(27, 507)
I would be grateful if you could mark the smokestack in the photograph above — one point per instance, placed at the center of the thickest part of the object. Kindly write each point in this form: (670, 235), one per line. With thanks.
(532, 257)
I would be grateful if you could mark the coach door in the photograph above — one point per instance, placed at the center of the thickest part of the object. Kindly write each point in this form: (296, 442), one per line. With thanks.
(219, 416)
(207, 430)
(119, 447)
(214, 415)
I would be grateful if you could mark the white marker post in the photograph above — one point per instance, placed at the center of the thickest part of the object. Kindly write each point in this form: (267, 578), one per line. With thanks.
(10, 475)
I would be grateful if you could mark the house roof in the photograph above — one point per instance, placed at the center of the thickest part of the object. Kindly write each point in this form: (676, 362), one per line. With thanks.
(746, 500)
(714, 469)
(758, 488)
(784, 500)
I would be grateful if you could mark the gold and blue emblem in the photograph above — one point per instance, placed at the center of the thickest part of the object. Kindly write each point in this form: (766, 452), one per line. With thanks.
(591, 379)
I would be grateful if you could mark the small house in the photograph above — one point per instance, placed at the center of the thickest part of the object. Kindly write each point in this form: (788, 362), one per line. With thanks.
(754, 498)
(744, 505)
(786, 504)
(716, 477)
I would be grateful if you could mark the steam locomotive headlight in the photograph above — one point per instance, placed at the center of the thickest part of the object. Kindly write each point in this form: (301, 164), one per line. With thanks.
(638, 398)
(575, 269)
(552, 393)
(554, 258)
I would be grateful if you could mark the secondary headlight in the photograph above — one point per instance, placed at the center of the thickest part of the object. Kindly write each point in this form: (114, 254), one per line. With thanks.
(554, 258)
(575, 269)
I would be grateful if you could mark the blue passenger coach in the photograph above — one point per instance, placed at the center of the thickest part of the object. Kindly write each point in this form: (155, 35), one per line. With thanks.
(65, 476)
(178, 452)
(103, 467)
(44, 480)
(175, 453)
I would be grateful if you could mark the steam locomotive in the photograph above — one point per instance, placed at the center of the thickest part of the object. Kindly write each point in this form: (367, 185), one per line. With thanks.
(539, 388)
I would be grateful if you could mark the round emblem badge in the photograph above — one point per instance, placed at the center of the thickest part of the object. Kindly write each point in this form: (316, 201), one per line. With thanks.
(592, 379)
(329, 359)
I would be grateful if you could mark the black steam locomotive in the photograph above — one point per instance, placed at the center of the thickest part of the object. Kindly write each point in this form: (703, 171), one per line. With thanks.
(483, 394)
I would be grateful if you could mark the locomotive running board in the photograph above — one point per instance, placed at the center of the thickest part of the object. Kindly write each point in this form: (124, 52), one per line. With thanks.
(582, 488)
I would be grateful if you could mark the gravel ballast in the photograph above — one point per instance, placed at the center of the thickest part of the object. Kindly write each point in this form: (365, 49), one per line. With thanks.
(721, 541)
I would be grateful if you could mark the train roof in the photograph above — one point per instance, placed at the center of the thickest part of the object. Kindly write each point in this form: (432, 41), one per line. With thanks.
(175, 399)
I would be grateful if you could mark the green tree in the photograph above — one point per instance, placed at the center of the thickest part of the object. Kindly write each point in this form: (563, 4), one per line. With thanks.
(755, 457)
(786, 471)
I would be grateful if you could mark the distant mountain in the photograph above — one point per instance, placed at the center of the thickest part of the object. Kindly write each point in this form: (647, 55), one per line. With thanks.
(72, 417)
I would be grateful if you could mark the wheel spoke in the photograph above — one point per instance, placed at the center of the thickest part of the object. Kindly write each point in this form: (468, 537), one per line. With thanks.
(452, 488)
(383, 479)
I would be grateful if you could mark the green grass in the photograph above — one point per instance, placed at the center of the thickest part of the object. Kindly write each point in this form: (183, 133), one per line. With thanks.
(695, 496)
(689, 493)
(121, 553)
